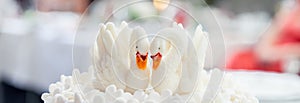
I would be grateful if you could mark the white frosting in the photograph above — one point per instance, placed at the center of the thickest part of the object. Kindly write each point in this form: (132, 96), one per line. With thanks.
(84, 91)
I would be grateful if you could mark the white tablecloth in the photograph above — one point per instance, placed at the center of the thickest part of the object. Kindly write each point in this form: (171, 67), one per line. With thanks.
(270, 87)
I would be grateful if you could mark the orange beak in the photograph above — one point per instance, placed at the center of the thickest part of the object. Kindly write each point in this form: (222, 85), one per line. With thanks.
(141, 60)
(156, 60)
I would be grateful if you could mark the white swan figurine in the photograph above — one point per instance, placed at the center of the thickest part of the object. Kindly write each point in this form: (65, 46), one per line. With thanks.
(167, 49)
(138, 76)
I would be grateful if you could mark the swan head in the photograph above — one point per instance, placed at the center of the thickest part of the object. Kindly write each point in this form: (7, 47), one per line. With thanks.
(164, 41)
(159, 48)
(140, 47)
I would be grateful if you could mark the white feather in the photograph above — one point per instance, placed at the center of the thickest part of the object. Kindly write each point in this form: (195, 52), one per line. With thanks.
(102, 57)
(193, 65)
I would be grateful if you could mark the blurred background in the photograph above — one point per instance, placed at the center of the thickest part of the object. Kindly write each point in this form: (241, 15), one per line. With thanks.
(261, 39)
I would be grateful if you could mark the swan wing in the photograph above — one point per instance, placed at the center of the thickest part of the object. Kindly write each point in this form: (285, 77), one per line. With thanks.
(102, 57)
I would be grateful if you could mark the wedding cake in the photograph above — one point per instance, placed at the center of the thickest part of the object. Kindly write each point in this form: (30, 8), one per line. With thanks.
(132, 66)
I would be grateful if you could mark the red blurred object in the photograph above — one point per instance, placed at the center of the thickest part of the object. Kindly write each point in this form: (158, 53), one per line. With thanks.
(282, 43)
(248, 60)
(290, 32)
(180, 17)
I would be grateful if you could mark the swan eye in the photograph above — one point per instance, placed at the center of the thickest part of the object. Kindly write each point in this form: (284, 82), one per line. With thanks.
(136, 47)
(158, 48)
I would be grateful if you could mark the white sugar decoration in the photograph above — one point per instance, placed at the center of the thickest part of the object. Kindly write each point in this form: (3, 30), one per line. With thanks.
(67, 91)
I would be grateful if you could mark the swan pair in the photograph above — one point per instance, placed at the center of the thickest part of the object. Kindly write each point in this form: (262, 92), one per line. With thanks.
(127, 58)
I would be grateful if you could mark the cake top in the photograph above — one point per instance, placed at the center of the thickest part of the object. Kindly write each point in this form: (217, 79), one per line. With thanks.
(132, 66)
